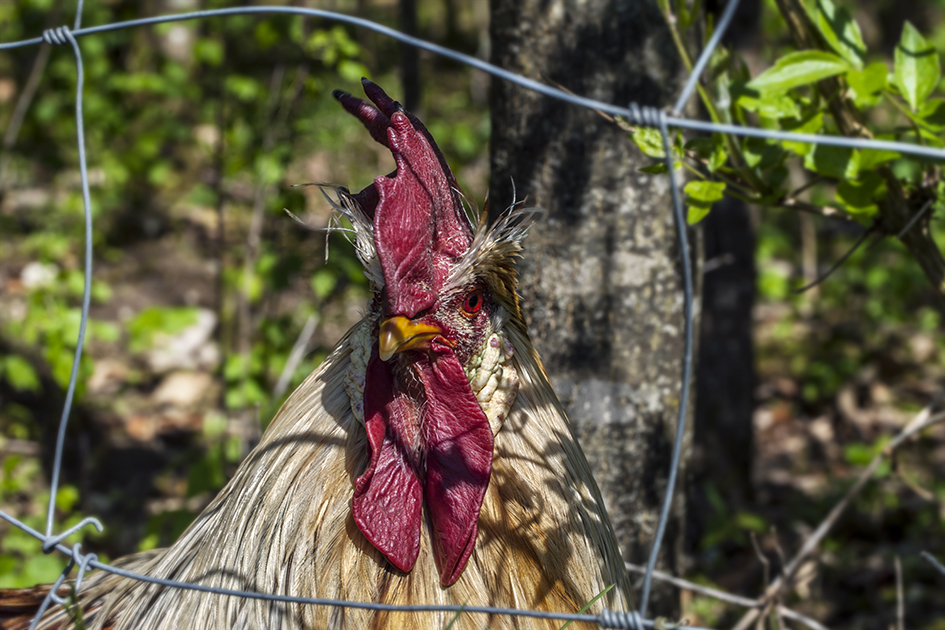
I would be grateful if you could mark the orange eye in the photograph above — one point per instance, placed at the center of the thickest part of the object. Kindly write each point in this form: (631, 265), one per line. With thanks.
(473, 302)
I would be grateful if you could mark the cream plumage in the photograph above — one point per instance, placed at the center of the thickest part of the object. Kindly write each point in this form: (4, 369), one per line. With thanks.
(429, 440)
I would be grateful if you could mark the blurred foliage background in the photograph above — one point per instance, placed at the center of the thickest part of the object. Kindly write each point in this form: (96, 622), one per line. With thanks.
(210, 305)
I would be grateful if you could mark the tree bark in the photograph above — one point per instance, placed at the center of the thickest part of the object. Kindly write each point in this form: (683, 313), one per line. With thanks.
(600, 281)
(725, 383)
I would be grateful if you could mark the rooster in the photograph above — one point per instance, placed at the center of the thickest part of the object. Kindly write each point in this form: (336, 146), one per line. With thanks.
(427, 461)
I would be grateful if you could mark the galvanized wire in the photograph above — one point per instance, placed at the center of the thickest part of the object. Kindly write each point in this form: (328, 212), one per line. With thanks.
(934, 562)
(531, 84)
(633, 113)
(607, 619)
(703, 61)
(61, 36)
(686, 268)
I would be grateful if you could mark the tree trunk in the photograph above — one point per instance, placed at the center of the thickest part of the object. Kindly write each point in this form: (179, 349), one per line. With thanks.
(601, 281)
(721, 462)
(722, 437)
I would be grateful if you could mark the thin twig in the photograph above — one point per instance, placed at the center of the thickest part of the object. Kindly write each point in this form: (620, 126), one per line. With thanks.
(811, 182)
(20, 447)
(922, 421)
(718, 174)
(708, 591)
(25, 99)
(799, 618)
(761, 557)
(19, 111)
(760, 622)
(912, 121)
(723, 596)
(926, 495)
(823, 211)
(840, 260)
(296, 356)
(777, 547)
(915, 218)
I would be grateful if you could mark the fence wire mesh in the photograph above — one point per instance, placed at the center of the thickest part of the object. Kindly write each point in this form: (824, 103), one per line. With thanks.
(634, 113)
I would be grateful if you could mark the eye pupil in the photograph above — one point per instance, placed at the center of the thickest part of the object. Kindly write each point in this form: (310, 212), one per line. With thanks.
(473, 303)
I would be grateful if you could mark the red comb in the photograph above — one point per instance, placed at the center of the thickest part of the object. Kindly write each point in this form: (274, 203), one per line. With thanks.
(420, 227)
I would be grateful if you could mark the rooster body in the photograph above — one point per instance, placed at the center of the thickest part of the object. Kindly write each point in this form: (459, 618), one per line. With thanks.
(427, 461)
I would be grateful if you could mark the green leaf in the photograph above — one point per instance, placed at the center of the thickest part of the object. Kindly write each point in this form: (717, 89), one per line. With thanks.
(707, 192)
(712, 149)
(836, 162)
(169, 320)
(687, 16)
(859, 196)
(242, 87)
(105, 331)
(917, 68)
(695, 212)
(866, 84)
(799, 68)
(351, 70)
(932, 113)
(812, 124)
(214, 425)
(860, 454)
(323, 283)
(871, 158)
(209, 51)
(67, 498)
(19, 373)
(654, 169)
(269, 168)
(650, 141)
(235, 367)
(751, 521)
(267, 35)
(766, 103)
(761, 154)
(933, 140)
(700, 196)
(841, 32)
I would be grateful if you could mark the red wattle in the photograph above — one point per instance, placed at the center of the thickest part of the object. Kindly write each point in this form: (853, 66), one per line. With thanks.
(388, 500)
(459, 460)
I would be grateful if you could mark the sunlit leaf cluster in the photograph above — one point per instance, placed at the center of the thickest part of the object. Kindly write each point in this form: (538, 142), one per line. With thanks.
(898, 102)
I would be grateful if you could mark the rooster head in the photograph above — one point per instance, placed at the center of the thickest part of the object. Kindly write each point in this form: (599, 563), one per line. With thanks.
(431, 380)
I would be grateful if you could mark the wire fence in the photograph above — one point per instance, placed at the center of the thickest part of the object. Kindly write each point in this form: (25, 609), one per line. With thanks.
(634, 113)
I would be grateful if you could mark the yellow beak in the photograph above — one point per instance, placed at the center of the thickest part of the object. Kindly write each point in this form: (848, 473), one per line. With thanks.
(399, 333)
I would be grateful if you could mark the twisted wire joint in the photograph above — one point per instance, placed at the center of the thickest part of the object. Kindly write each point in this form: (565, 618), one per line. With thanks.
(58, 36)
(631, 620)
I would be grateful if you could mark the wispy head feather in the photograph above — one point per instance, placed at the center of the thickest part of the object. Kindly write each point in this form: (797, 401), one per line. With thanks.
(361, 234)
(492, 254)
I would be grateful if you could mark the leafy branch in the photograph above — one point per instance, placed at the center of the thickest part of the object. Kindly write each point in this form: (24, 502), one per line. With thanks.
(824, 86)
